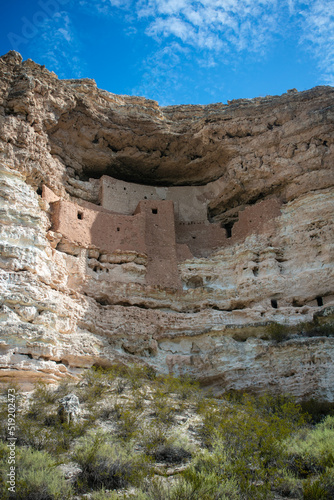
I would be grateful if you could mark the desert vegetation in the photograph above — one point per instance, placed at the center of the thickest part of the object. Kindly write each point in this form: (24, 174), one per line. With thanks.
(146, 436)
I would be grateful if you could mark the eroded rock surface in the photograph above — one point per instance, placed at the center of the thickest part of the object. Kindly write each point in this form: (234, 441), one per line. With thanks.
(67, 303)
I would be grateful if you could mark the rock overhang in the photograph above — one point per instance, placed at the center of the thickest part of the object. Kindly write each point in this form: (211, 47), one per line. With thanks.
(84, 306)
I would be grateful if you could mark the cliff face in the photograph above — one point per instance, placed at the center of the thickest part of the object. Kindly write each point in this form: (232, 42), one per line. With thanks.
(67, 303)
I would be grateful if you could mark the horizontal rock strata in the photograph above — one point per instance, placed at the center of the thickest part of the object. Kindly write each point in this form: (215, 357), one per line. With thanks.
(68, 303)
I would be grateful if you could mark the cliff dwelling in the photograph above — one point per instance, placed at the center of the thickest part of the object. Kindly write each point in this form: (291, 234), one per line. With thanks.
(166, 224)
(171, 236)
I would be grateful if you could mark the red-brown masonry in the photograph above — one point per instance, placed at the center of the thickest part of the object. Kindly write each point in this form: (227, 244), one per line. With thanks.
(108, 232)
(152, 229)
(256, 219)
(49, 195)
(160, 243)
(201, 237)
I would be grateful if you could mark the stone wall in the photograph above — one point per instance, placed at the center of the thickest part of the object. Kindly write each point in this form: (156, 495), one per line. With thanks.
(160, 243)
(107, 231)
(256, 219)
(150, 230)
(155, 230)
(190, 203)
(201, 237)
(65, 307)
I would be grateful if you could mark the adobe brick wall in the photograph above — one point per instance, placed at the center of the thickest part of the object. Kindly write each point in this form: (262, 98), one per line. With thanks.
(160, 243)
(200, 237)
(155, 230)
(183, 252)
(256, 218)
(49, 195)
(123, 197)
(145, 231)
(109, 232)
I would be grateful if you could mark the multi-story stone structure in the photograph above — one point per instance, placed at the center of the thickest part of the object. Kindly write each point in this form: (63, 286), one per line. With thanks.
(167, 224)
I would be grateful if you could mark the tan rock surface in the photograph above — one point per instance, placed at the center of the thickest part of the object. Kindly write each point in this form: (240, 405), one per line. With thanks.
(65, 306)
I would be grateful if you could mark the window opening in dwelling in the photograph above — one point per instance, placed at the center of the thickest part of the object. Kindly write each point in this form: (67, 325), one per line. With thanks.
(228, 228)
(154, 210)
(274, 303)
(80, 215)
(319, 300)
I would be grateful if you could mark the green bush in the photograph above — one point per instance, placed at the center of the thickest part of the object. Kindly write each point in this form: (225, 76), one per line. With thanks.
(180, 387)
(114, 495)
(45, 431)
(37, 477)
(312, 451)
(278, 332)
(168, 447)
(197, 486)
(314, 489)
(152, 436)
(163, 408)
(287, 484)
(126, 415)
(317, 410)
(254, 446)
(249, 433)
(111, 465)
(315, 329)
(94, 385)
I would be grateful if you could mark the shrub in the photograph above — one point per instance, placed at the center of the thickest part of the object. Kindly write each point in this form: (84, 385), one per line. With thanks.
(94, 385)
(38, 424)
(287, 484)
(312, 451)
(44, 394)
(327, 479)
(278, 332)
(127, 419)
(45, 431)
(114, 495)
(153, 436)
(165, 446)
(313, 489)
(212, 413)
(139, 375)
(315, 329)
(317, 410)
(181, 387)
(163, 410)
(37, 477)
(251, 432)
(196, 486)
(108, 465)
(171, 454)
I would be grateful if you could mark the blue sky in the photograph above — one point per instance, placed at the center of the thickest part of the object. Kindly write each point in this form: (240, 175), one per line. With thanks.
(178, 51)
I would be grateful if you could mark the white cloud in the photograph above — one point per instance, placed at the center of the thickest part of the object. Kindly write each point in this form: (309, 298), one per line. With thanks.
(211, 32)
(66, 34)
(244, 26)
(236, 27)
(57, 46)
(162, 75)
(104, 7)
(318, 35)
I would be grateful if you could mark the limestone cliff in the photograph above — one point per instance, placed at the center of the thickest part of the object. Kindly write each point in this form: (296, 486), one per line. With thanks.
(251, 243)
